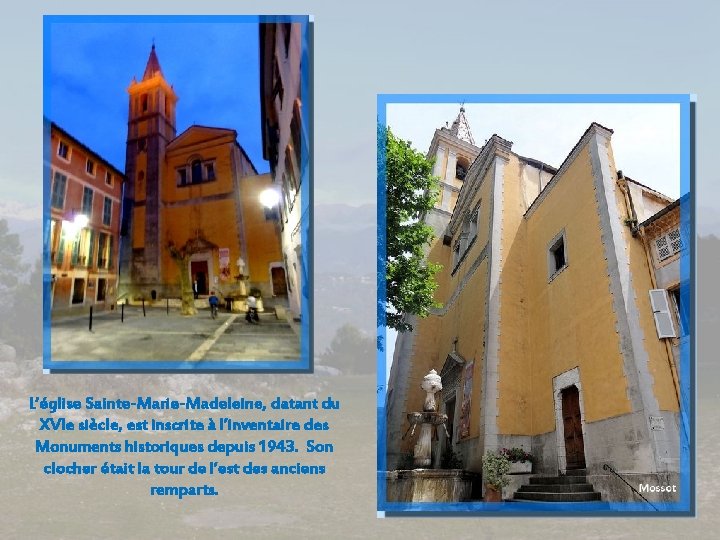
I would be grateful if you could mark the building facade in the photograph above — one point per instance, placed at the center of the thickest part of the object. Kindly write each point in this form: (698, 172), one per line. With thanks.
(550, 336)
(85, 197)
(285, 143)
(197, 192)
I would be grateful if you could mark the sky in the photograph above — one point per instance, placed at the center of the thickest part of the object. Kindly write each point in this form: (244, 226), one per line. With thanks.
(212, 65)
(645, 142)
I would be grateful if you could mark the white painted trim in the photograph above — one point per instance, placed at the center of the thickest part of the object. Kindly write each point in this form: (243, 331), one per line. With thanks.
(560, 383)
(492, 359)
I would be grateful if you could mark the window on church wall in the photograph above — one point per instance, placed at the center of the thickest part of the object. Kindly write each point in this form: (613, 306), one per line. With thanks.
(196, 171)
(472, 224)
(557, 256)
(142, 144)
(144, 102)
(456, 254)
(210, 171)
(181, 176)
(461, 167)
(668, 245)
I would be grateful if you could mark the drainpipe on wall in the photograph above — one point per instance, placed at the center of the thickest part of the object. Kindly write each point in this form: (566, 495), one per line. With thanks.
(636, 230)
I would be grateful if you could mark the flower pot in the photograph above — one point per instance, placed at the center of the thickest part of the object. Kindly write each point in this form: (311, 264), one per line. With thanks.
(492, 494)
(521, 467)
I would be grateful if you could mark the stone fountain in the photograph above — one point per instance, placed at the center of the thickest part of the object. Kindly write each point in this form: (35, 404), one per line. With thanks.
(424, 484)
(428, 420)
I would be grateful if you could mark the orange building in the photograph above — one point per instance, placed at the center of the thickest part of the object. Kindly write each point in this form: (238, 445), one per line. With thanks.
(85, 199)
(197, 190)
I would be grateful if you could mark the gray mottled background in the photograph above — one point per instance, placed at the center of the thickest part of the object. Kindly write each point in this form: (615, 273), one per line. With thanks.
(360, 50)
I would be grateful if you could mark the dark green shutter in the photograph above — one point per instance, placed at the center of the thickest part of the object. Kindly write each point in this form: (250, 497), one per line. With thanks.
(75, 251)
(60, 255)
(110, 252)
(91, 237)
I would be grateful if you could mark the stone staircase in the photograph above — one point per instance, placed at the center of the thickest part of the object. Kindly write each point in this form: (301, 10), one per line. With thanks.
(570, 487)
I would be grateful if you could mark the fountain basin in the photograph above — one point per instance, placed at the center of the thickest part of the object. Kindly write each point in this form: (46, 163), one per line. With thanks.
(430, 485)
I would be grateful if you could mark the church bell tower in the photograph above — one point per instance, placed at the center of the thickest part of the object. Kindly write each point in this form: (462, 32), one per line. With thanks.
(151, 126)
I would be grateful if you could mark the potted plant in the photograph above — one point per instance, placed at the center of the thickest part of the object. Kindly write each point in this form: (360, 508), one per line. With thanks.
(520, 460)
(495, 470)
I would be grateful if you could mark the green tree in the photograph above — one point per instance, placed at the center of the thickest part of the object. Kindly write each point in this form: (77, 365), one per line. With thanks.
(411, 191)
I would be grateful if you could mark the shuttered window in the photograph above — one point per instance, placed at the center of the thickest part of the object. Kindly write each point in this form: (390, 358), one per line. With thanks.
(661, 311)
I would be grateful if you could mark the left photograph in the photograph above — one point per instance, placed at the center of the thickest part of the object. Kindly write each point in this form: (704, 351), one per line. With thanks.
(177, 193)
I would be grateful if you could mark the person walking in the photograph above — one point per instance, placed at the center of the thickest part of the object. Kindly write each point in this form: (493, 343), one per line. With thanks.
(214, 301)
(252, 312)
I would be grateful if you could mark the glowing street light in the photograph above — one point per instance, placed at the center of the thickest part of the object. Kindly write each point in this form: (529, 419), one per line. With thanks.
(269, 198)
(71, 229)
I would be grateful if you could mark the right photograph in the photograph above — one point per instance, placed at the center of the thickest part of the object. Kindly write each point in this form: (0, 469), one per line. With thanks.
(536, 301)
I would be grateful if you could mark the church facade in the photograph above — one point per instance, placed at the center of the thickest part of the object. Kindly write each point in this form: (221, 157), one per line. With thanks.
(197, 192)
(559, 320)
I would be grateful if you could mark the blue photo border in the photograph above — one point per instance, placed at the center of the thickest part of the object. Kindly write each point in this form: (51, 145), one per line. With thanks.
(686, 506)
(305, 363)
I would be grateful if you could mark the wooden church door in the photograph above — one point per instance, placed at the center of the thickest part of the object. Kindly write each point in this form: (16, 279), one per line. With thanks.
(572, 425)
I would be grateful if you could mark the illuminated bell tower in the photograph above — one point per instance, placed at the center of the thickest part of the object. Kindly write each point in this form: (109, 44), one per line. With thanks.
(151, 126)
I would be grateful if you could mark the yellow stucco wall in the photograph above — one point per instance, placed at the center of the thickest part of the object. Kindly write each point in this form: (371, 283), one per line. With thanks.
(573, 319)
(547, 326)
(217, 208)
(515, 374)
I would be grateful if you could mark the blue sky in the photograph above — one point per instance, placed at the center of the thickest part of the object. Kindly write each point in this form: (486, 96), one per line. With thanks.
(212, 62)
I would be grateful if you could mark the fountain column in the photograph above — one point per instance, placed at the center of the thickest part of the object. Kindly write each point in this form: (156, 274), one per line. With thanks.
(423, 448)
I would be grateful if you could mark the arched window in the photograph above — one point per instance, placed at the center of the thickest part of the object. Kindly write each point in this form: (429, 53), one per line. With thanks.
(196, 171)
(461, 168)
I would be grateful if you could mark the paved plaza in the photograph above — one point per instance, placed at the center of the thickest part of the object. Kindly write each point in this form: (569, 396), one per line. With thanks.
(166, 335)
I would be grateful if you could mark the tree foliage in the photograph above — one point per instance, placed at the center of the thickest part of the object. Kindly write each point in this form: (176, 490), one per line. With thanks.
(411, 191)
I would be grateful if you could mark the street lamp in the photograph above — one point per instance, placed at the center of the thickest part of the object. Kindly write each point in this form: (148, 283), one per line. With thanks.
(71, 229)
(269, 198)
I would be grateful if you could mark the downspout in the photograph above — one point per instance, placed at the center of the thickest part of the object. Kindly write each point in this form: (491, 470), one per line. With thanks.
(636, 230)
